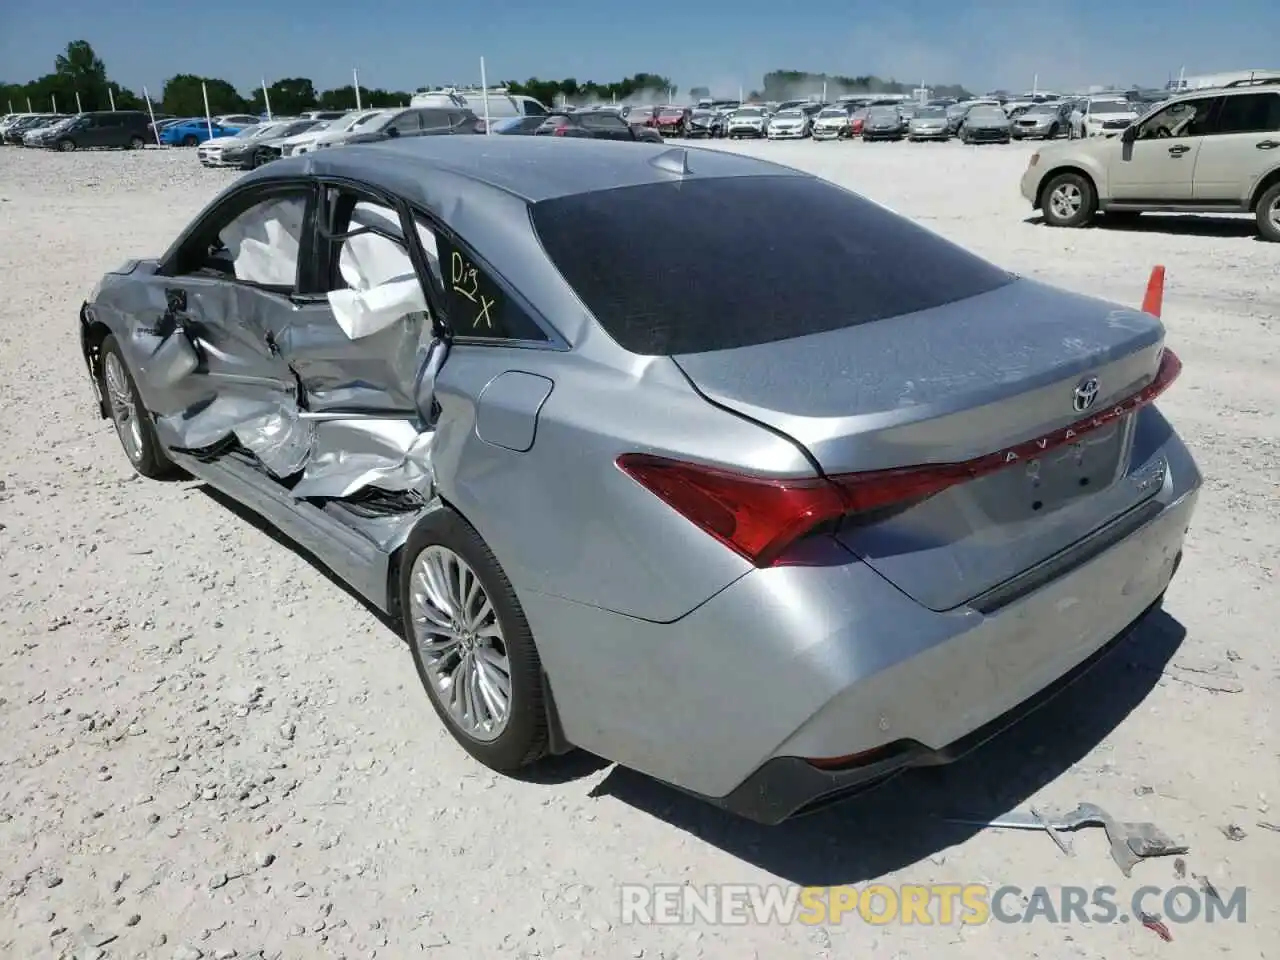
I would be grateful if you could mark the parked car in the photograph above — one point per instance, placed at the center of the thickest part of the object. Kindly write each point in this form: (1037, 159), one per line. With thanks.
(34, 134)
(641, 116)
(673, 121)
(857, 121)
(986, 124)
(334, 131)
(708, 123)
(192, 133)
(957, 112)
(414, 122)
(610, 543)
(19, 128)
(789, 124)
(500, 106)
(210, 153)
(1205, 151)
(832, 123)
(1102, 116)
(250, 153)
(748, 121)
(1042, 121)
(883, 123)
(928, 123)
(597, 125)
(517, 126)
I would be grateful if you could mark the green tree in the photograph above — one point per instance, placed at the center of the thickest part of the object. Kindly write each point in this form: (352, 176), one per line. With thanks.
(82, 72)
(183, 96)
(289, 97)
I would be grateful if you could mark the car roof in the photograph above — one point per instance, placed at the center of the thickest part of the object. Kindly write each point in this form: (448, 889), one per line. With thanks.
(533, 169)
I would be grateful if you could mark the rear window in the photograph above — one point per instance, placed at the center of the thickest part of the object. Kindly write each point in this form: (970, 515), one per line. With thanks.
(673, 268)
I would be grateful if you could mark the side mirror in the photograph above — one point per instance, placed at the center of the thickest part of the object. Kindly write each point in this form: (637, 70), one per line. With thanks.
(393, 132)
(1130, 134)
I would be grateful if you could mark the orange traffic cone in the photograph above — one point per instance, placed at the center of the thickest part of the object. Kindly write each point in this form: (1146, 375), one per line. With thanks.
(1154, 299)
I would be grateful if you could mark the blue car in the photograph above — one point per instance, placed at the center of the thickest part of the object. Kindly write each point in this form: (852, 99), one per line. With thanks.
(190, 133)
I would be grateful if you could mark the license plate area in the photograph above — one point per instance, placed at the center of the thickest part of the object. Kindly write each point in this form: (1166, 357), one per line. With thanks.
(1059, 477)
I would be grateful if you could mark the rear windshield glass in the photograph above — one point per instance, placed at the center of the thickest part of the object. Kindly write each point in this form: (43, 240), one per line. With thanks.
(673, 268)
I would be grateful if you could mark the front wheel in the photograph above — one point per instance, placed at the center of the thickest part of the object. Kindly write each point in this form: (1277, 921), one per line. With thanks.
(190, 140)
(1268, 214)
(136, 143)
(1069, 200)
(133, 425)
(66, 146)
(471, 645)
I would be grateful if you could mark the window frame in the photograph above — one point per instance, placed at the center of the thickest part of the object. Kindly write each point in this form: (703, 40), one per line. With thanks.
(318, 281)
(210, 222)
(1210, 119)
(554, 339)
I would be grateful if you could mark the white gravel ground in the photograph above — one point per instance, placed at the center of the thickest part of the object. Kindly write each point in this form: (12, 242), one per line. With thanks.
(210, 749)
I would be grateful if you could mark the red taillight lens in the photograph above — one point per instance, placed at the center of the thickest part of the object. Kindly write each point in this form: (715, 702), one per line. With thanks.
(757, 517)
(760, 517)
(559, 131)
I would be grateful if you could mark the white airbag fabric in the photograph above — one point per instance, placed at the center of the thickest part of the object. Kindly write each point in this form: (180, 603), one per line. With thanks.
(382, 284)
(263, 242)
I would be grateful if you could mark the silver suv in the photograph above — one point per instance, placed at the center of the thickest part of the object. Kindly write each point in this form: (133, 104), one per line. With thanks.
(1206, 151)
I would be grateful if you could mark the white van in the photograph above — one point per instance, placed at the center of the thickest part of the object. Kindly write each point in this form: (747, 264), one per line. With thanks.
(502, 106)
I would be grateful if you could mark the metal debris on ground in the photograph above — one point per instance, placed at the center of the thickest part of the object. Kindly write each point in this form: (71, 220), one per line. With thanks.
(1207, 886)
(1130, 842)
(1233, 832)
(1269, 826)
(1157, 926)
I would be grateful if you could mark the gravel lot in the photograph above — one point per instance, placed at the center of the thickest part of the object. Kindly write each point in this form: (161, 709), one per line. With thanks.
(210, 749)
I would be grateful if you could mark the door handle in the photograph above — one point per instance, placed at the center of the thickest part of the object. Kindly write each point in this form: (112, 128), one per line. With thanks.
(1267, 144)
(1178, 151)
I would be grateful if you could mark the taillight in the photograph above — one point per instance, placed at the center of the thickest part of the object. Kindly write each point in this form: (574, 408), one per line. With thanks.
(761, 517)
(559, 131)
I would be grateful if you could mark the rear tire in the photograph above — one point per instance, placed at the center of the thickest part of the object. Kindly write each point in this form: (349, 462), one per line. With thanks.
(490, 629)
(1069, 200)
(1268, 214)
(66, 146)
(136, 143)
(134, 429)
(190, 140)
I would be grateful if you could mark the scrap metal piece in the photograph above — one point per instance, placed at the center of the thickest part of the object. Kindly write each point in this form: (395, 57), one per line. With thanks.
(1130, 842)
(1054, 835)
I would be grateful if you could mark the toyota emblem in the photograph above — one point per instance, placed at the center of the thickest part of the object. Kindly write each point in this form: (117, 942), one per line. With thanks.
(1085, 394)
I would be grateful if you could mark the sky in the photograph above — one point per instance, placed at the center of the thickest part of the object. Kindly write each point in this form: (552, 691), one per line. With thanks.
(722, 44)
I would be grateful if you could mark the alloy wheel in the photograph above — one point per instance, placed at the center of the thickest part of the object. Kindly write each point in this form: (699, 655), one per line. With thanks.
(460, 640)
(124, 412)
(1065, 200)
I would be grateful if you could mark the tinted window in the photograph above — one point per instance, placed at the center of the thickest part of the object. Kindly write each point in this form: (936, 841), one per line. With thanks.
(1249, 113)
(673, 268)
(602, 121)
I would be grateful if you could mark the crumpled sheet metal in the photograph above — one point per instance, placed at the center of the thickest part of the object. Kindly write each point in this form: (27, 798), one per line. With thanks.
(338, 455)
(350, 455)
(280, 440)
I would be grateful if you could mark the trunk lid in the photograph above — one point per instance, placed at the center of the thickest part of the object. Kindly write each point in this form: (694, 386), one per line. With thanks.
(946, 385)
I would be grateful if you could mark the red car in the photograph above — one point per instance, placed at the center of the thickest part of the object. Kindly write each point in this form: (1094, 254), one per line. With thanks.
(643, 117)
(856, 119)
(674, 121)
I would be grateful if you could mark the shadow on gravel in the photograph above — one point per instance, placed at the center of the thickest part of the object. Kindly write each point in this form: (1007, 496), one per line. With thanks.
(898, 824)
(1180, 225)
(261, 525)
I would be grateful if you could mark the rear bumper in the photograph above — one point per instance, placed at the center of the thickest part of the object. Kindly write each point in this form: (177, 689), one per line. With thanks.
(828, 660)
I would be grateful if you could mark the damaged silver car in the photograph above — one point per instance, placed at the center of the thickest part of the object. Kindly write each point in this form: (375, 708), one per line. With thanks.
(771, 529)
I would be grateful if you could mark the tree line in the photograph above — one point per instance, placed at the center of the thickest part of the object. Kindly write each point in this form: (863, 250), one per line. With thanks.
(79, 80)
